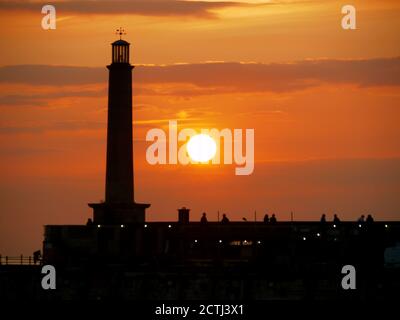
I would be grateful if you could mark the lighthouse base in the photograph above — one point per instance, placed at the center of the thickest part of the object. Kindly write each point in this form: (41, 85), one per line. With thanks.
(119, 213)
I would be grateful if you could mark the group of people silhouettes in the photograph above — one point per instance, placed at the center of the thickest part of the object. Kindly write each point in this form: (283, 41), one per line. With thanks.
(361, 219)
(267, 219)
(225, 219)
(272, 219)
(204, 218)
(336, 219)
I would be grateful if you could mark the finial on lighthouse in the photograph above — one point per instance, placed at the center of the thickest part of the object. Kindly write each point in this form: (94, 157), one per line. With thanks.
(121, 32)
(120, 48)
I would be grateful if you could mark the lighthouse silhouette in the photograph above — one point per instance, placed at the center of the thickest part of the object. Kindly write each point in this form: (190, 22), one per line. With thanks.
(119, 206)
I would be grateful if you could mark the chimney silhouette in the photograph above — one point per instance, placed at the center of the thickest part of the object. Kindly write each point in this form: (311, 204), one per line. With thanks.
(119, 206)
(183, 215)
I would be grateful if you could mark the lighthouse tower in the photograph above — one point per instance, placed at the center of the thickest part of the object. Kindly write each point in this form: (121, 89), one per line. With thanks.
(119, 206)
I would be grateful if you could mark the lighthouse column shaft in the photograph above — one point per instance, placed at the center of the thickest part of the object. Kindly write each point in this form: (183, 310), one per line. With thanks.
(119, 168)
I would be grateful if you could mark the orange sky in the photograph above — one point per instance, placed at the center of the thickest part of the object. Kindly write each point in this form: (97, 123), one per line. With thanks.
(324, 103)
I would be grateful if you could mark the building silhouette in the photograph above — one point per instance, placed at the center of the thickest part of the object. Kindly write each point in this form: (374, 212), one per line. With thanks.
(118, 254)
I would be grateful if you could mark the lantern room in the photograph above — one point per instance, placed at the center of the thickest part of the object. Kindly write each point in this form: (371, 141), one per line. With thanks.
(120, 51)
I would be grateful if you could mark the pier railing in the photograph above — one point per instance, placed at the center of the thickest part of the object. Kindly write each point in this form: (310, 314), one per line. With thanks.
(19, 260)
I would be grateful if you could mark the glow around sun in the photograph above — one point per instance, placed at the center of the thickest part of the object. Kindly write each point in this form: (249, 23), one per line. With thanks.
(201, 148)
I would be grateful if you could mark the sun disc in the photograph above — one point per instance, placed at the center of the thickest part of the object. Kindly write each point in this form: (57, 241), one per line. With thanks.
(201, 148)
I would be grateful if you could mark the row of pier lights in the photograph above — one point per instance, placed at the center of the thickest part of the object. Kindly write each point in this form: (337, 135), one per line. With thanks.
(183, 217)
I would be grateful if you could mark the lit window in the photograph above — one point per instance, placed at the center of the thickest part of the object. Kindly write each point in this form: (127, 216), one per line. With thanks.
(169, 226)
(318, 234)
(122, 226)
(220, 241)
(304, 238)
(98, 226)
(145, 225)
(235, 243)
(334, 225)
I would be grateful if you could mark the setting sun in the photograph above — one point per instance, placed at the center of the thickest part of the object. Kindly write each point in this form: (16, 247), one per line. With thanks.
(201, 148)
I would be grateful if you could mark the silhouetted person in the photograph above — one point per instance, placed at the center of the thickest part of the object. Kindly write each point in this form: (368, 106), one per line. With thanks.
(369, 220)
(336, 219)
(224, 219)
(323, 224)
(361, 219)
(204, 218)
(273, 218)
(266, 218)
(36, 256)
(89, 222)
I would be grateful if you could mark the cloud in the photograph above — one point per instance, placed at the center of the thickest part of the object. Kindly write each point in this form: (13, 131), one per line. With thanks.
(350, 172)
(55, 126)
(221, 77)
(203, 9)
(25, 151)
(275, 77)
(52, 75)
(44, 98)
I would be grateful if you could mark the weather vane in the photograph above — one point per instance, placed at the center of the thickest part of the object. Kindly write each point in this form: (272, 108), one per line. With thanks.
(120, 32)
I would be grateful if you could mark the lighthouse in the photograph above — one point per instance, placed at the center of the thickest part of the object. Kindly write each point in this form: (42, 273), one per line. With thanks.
(119, 206)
